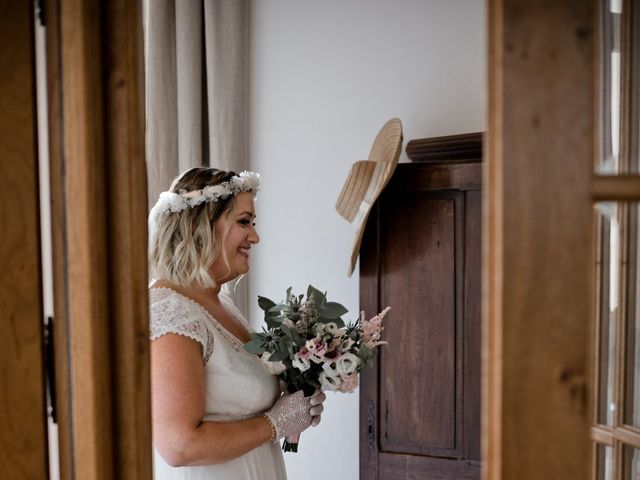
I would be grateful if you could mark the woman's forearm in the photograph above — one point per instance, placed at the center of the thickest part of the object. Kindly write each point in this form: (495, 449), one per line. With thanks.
(215, 442)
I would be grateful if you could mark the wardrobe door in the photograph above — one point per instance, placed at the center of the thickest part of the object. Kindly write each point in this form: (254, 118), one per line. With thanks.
(422, 403)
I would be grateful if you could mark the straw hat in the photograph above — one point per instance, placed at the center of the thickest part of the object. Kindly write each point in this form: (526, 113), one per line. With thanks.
(367, 179)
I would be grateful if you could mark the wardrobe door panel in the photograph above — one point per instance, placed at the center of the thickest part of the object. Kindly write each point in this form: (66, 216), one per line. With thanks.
(419, 366)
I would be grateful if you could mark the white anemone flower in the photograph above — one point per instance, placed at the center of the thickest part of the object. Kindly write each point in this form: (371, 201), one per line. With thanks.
(331, 328)
(347, 363)
(329, 382)
(302, 364)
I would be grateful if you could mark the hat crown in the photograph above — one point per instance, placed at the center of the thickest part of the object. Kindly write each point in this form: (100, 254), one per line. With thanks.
(387, 142)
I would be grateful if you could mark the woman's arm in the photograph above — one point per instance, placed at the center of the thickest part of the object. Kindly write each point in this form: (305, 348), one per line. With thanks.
(178, 406)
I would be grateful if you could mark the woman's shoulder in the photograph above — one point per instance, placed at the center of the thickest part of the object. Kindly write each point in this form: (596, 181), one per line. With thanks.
(164, 299)
(172, 312)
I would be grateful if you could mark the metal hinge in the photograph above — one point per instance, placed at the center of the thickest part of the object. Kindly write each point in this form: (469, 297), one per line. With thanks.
(50, 369)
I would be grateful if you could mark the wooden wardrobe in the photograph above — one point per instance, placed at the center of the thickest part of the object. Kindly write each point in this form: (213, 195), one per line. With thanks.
(420, 403)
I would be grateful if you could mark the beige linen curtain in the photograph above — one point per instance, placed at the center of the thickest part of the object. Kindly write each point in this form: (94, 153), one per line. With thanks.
(196, 72)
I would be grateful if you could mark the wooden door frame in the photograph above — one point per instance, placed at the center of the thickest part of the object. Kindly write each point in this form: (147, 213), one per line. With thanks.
(23, 436)
(537, 326)
(538, 239)
(99, 217)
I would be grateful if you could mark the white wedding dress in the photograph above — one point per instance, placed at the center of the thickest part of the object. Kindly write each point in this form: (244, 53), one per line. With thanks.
(238, 385)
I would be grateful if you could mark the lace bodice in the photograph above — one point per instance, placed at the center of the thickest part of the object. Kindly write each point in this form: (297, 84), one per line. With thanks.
(237, 384)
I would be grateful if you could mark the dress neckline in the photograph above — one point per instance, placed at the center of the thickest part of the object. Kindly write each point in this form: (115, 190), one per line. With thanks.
(235, 342)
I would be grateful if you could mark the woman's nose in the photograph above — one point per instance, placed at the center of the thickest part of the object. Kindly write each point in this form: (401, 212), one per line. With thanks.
(253, 236)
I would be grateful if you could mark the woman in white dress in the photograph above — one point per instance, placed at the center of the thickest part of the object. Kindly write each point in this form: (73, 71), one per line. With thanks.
(217, 411)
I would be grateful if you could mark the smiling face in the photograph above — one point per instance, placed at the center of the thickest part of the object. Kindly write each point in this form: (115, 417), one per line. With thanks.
(237, 233)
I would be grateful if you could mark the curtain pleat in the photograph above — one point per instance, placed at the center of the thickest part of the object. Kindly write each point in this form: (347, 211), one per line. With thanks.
(189, 68)
(196, 72)
(226, 40)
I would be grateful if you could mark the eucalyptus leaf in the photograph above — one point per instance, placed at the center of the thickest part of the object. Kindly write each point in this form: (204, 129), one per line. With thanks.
(255, 346)
(277, 308)
(264, 303)
(279, 356)
(268, 315)
(297, 339)
(333, 310)
(319, 297)
(366, 354)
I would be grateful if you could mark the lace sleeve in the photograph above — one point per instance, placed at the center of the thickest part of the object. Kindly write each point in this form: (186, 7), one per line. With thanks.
(169, 316)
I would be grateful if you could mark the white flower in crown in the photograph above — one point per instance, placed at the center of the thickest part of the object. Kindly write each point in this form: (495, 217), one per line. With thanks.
(176, 202)
(171, 202)
(251, 181)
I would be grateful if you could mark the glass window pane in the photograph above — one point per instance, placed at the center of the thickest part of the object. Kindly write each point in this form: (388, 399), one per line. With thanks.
(631, 463)
(607, 274)
(632, 354)
(609, 162)
(604, 462)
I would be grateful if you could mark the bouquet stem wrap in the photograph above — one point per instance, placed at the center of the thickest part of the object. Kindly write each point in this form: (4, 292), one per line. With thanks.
(290, 443)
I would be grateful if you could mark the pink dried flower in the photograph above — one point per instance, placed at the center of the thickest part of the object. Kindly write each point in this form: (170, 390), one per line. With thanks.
(287, 322)
(371, 330)
(349, 383)
(302, 325)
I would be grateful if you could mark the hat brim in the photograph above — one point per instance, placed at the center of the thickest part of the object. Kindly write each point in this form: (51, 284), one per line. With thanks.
(366, 181)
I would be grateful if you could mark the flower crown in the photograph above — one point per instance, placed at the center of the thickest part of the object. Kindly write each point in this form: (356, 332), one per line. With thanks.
(171, 202)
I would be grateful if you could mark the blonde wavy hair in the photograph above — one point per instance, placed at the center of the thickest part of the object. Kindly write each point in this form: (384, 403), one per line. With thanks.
(183, 245)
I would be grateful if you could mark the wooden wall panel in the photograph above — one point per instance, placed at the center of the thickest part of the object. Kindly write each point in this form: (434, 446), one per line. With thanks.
(23, 438)
(425, 468)
(418, 278)
(538, 239)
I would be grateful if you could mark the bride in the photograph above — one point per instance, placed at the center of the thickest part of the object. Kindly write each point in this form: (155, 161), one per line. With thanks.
(217, 412)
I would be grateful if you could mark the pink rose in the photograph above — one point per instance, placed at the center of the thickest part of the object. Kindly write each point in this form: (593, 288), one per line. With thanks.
(304, 353)
(317, 348)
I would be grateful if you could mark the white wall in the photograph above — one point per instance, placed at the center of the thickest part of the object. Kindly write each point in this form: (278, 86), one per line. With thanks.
(325, 76)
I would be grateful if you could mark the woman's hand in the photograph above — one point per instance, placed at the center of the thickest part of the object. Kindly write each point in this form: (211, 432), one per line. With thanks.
(293, 413)
(317, 407)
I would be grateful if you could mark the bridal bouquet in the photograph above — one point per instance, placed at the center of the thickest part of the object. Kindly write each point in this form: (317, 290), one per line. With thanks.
(307, 344)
